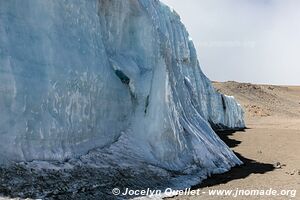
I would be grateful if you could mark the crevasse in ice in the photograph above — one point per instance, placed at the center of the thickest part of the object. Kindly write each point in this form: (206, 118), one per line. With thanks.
(119, 75)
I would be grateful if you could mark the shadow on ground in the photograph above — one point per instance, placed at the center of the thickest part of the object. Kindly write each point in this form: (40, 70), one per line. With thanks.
(249, 167)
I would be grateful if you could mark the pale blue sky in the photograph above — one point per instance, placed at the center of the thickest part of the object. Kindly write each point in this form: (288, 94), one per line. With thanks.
(245, 40)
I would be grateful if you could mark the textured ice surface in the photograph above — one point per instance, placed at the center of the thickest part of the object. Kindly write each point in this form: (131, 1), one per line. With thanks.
(118, 75)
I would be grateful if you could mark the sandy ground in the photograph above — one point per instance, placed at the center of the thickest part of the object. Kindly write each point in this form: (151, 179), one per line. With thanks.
(269, 148)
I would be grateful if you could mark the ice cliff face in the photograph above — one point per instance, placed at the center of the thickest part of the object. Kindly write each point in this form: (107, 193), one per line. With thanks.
(119, 75)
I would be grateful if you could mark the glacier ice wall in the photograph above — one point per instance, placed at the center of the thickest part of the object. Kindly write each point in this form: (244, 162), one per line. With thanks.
(120, 75)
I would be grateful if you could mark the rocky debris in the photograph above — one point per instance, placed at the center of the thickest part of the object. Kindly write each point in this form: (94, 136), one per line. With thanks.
(279, 165)
(293, 172)
(262, 100)
(81, 182)
(255, 110)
